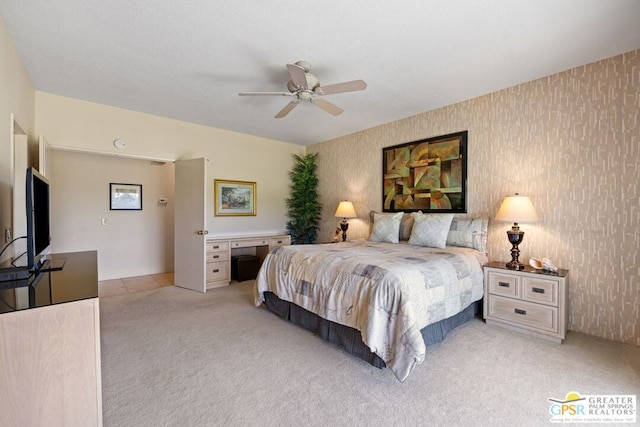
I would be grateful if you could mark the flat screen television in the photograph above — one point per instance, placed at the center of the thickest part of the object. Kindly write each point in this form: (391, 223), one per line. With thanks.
(38, 218)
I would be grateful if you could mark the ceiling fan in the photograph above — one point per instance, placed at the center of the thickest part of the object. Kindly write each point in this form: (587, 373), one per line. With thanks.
(304, 86)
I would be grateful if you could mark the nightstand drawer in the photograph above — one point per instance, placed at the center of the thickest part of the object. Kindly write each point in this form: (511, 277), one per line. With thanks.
(217, 271)
(540, 290)
(504, 284)
(524, 313)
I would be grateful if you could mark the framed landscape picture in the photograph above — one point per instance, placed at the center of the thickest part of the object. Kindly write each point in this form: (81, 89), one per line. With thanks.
(234, 198)
(125, 197)
(429, 175)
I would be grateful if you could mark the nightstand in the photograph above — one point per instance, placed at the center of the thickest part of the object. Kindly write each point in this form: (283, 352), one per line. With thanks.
(530, 301)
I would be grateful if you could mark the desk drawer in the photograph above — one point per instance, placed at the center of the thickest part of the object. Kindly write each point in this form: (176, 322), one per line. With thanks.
(249, 243)
(524, 313)
(217, 256)
(217, 246)
(217, 271)
(280, 241)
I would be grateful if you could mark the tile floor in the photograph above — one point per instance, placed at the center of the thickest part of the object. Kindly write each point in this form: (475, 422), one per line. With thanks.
(107, 288)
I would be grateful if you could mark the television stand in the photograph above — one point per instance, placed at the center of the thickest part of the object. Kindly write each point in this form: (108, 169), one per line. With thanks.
(56, 263)
(9, 273)
(50, 347)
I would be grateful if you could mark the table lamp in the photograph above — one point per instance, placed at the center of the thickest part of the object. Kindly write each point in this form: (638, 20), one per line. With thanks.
(345, 210)
(516, 209)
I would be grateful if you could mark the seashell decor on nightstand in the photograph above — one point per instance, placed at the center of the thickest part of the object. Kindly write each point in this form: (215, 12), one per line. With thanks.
(543, 264)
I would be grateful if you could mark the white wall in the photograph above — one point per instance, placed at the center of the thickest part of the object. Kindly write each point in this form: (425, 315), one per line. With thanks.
(17, 96)
(78, 125)
(132, 243)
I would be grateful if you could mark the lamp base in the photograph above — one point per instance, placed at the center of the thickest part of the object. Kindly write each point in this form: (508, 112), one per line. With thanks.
(515, 237)
(344, 225)
(515, 265)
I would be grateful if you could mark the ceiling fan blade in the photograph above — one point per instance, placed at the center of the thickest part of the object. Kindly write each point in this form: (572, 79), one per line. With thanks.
(266, 94)
(287, 108)
(327, 106)
(298, 76)
(341, 87)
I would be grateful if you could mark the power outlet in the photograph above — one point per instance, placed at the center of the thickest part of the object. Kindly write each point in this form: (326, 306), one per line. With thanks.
(7, 235)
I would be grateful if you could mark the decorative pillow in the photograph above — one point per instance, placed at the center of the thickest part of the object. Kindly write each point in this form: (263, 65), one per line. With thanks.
(430, 230)
(469, 233)
(386, 227)
(406, 223)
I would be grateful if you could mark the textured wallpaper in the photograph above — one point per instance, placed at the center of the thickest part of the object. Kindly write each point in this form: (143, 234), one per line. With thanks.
(571, 142)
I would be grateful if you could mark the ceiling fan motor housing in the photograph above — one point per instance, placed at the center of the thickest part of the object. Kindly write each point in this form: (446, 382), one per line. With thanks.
(312, 83)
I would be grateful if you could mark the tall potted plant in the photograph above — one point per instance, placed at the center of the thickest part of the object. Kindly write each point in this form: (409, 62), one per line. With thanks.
(303, 207)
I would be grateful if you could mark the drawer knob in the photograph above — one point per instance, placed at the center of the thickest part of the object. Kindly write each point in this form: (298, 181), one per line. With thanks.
(279, 241)
(216, 247)
(503, 284)
(518, 311)
(216, 270)
(538, 290)
(216, 256)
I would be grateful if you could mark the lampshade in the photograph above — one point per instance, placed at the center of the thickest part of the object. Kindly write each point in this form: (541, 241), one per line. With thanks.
(517, 209)
(345, 210)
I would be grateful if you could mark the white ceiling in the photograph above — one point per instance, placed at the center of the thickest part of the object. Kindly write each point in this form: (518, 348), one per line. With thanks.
(189, 59)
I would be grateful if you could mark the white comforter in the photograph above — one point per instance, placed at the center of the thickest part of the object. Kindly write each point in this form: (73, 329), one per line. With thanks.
(388, 292)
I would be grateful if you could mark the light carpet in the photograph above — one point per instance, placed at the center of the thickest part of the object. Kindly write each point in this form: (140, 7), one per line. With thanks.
(174, 357)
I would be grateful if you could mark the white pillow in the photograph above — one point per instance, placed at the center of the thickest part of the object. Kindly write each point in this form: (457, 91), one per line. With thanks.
(469, 233)
(430, 230)
(386, 227)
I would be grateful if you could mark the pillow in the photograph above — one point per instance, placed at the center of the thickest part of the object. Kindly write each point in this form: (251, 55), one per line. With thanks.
(406, 223)
(386, 227)
(430, 230)
(469, 233)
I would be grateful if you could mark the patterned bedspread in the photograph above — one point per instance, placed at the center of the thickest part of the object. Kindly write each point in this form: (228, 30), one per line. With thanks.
(388, 292)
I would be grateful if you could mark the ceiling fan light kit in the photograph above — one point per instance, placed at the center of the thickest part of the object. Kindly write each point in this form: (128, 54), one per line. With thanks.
(306, 87)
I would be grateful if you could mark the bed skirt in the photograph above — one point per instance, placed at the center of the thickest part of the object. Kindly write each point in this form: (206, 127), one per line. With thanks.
(349, 338)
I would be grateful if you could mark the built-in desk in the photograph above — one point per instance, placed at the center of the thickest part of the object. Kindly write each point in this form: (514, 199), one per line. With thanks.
(50, 347)
(219, 251)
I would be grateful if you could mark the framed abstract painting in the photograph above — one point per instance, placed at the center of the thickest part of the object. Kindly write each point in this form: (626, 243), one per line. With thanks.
(429, 175)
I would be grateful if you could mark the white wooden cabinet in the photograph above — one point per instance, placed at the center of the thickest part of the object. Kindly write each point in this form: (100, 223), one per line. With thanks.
(50, 358)
(220, 250)
(528, 301)
(50, 372)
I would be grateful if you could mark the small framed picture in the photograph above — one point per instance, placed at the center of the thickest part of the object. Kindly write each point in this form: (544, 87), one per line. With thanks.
(125, 197)
(234, 198)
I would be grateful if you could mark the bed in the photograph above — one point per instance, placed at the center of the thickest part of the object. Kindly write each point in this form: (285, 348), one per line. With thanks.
(382, 299)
